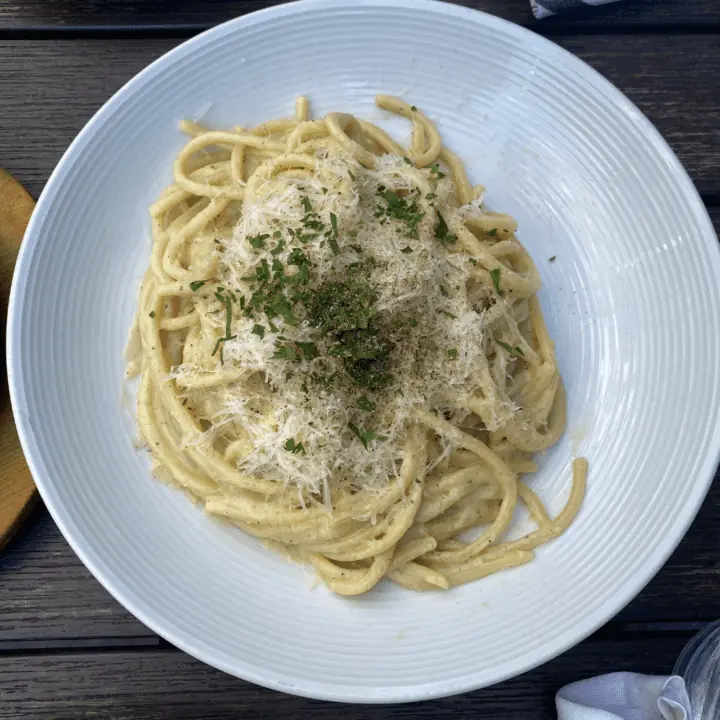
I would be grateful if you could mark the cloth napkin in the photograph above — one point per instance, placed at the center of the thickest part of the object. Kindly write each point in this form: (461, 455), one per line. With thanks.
(543, 8)
(625, 696)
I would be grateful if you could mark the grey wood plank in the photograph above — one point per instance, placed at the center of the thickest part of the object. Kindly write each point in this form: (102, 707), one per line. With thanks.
(49, 89)
(688, 585)
(24, 14)
(47, 594)
(169, 684)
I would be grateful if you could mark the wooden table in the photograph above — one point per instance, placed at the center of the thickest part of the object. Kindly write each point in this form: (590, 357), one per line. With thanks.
(67, 649)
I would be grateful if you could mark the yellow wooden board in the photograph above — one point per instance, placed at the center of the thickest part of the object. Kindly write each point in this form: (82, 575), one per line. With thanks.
(17, 490)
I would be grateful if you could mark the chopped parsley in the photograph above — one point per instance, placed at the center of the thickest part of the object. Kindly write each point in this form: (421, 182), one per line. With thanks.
(228, 324)
(258, 241)
(338, 307)
(365, 404)
(442, 233)
(333, 238)
(509, 349)
(406, 250)
(281, 307)
(294, 447)
(345, 312)
(309, 349)
(258, 330)
(400, 208)
(285, 352)
(553, 258)
(195, 285)
(435, 170)
(365, 436)
(492, 233)
(452, 353)
(152, 313)
(495, 275)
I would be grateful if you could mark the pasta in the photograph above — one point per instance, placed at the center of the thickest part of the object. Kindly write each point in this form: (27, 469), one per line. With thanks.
(342, 353)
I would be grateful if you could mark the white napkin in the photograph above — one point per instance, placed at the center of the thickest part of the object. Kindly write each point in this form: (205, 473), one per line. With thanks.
(625, 696)
(543, 8)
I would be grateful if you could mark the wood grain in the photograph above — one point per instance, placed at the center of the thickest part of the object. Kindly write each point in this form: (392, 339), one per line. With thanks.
(17, 489)
(47, 594)
(639, 14)
(169, 684)
(50, 89)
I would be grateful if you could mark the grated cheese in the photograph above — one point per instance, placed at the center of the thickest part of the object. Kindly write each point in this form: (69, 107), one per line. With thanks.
(437, 362)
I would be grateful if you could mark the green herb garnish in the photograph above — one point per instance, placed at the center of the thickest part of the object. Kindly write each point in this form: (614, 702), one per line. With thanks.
(333, 238)
(258, 241)
(195, 285)
(228, 324)
(262, 271)
(309, 349)
(285, 352)
(365, 404)
(365, 436)
(152, 313)
(452, 353)
(281, 307)
(406, 250)
(402, 209)
(293, 447)
(442, 233)
(258, 330)
(342, 306)
(553, 258)
(492, 233)
(495, 275)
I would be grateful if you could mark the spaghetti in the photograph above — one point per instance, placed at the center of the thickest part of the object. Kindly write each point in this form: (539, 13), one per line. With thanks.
(342, 352)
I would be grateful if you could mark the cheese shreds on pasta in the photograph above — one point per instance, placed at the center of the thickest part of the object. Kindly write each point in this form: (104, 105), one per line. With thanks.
(342, 352)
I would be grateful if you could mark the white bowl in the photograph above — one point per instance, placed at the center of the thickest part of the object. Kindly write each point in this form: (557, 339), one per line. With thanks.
(632, 302)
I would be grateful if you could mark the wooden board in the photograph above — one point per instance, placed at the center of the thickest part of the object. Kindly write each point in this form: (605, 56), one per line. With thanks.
(17, 490)
(74, 14)
(164, 683)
